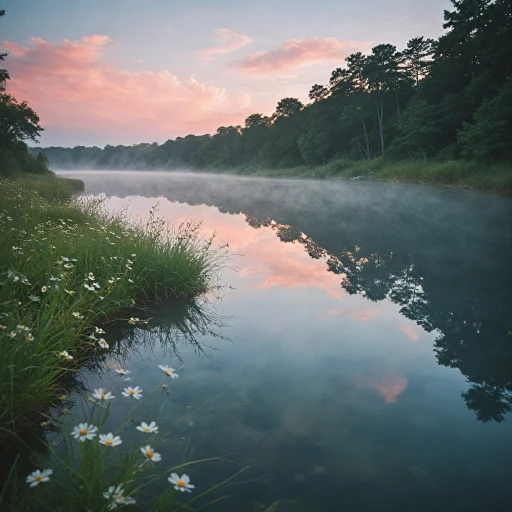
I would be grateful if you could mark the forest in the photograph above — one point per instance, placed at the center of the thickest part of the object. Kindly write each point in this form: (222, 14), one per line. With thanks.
(435, 100)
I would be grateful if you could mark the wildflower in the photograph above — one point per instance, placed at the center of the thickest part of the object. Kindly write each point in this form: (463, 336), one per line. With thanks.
(62, 397)
(23, 328)
(181, 483)
(25, 281)
(91, 276)
(64, 354)
(39, 476)
(29, 337)
(34, 298)
(68, 265)
(12, 334)
(84, 432)
(133, 255)
(130, 280)
(129, 262)
(99, 330)
(116, 494)
(135, 392)
(133, 320)
(69, 292)
(102, 394)
(3, 327)
(111, 281)
(92, 337)
(63, 258)
(110, 439)
(44, 289)
(78, 315)
(169, 371)
(150, 453)
(103, 344)
(96, 285)
(149, 429)
(120, 371)
(90, 288)
(53, 278)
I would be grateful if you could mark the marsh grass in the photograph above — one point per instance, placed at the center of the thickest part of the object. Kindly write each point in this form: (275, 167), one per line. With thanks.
(66, 264)
(460, 173)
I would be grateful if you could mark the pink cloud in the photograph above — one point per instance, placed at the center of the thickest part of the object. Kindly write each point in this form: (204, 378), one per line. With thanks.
(227, 41)
(411, 331)
(71, 87)
(389, 386)
(295, 54)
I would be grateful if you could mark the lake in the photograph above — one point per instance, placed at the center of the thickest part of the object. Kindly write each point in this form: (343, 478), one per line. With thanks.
(358, 356)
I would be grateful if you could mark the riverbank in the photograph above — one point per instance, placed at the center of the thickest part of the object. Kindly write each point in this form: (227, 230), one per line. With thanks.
(65, 264)
(459, 173)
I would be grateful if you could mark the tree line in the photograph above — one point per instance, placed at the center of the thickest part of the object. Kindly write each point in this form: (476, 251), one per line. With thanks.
(18, 123)
(446, 99)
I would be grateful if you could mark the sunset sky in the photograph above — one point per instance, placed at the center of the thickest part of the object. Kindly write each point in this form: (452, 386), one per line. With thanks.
(122, 71)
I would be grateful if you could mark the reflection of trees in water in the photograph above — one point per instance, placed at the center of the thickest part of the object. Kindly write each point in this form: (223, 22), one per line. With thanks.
(442, 255)
(472, 335)
(172, 327)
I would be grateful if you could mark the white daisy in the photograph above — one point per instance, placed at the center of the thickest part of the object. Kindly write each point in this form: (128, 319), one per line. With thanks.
(150, 453)
(169, 371)
(39, 476)
(44, 289)
(90, 288)
(110, 440)
(78, 315)
(65, 355)
(84, 432)
(181, 483)
(99, 330)
(102, 343)
(120, 371)
(116, 494)
(130, 392)
(150, 429)
(102, 394)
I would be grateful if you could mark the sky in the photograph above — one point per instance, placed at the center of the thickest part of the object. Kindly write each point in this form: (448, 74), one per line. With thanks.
(124, 71)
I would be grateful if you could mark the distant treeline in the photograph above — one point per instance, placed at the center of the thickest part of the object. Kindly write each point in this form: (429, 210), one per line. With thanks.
(445, 99)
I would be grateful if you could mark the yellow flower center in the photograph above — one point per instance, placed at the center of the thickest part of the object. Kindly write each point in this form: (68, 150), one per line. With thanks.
(146, 429)
(119, 496)
(132, 391)
(109, 442)
(181, 483)
(83, 432)
(150, 453)
(38, 478)
(168, 372)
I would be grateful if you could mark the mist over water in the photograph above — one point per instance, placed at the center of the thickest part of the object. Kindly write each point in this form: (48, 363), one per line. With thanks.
(369, 360)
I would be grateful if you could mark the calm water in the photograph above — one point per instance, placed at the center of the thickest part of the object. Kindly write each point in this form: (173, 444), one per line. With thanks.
(365, 356)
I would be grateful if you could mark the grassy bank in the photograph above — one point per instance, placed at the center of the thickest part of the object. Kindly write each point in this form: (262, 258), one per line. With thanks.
(65, 265)
(490, 177)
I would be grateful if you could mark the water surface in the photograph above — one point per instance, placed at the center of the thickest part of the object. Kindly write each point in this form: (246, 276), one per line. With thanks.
(369, 359)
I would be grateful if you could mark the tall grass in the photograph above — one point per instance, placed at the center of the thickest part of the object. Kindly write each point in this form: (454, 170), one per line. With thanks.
(469, 174)
(64, 265)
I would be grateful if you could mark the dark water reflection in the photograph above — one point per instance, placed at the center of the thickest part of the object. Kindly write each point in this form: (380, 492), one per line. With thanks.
(370, 361)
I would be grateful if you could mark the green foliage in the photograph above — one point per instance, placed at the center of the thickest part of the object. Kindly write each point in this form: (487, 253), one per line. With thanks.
(43, 288)
(490, 136)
